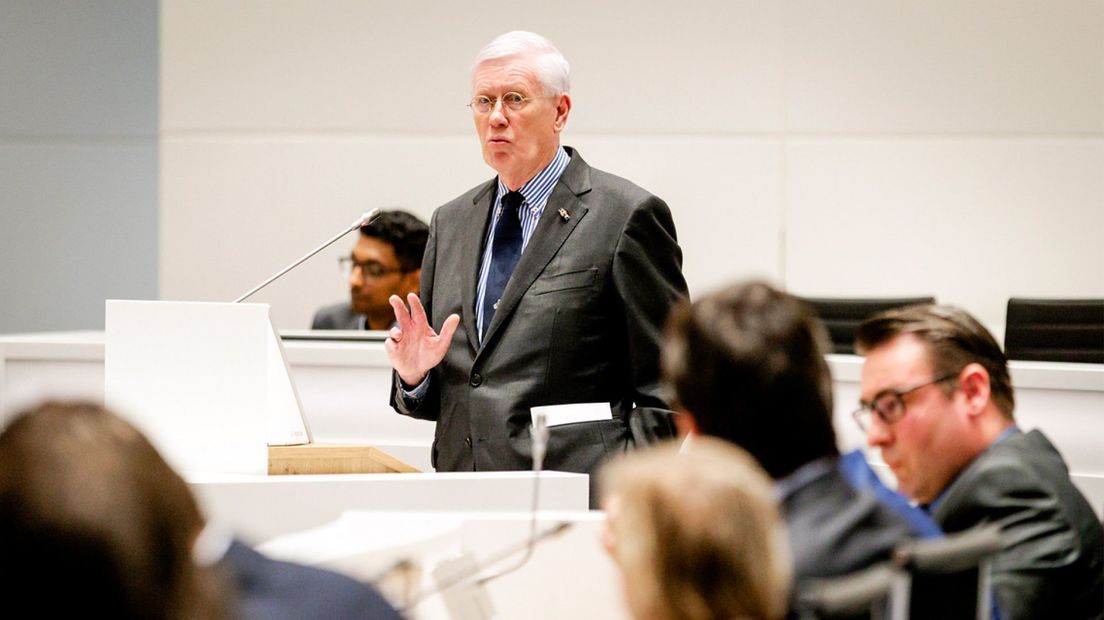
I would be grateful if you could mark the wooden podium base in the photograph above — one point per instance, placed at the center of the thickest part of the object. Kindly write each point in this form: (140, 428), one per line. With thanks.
(333, 459)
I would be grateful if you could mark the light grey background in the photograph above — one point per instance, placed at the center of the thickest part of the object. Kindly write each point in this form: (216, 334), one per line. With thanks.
(78, 160)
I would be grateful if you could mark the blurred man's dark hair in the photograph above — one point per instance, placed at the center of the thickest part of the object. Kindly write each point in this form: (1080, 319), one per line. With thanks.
(748, 363)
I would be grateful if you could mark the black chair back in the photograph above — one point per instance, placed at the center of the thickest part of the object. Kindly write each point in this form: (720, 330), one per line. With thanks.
(842, 315)
(1055, 330)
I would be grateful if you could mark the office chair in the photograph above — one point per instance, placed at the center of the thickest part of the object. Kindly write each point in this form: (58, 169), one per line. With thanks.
(1055, 330)
(842, 315)
(946, 578)
(862, 594)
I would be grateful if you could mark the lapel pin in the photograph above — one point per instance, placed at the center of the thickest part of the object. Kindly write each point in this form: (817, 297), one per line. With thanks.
(564, 215)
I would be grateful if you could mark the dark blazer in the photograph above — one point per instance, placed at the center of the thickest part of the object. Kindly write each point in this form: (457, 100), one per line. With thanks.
(272, 590)
(579, 321)
(835, 529)
(1052, 563)
(337, 316)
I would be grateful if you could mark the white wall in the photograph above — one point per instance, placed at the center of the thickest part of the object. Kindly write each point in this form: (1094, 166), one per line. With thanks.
(838, 148)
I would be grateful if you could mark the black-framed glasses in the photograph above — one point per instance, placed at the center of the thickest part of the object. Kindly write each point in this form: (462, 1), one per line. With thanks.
(890, 404)
(368, 269)
(483, 104)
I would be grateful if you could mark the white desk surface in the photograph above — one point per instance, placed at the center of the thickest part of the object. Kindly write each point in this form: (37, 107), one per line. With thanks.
(258, 508)
(569, 575)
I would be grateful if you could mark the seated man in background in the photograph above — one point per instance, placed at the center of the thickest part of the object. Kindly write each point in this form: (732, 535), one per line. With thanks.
(937, 400)
(747, 365)
(386, 261)
(90, 510)
(696, 535)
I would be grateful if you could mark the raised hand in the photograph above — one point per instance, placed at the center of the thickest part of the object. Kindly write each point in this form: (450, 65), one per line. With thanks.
(413, 347)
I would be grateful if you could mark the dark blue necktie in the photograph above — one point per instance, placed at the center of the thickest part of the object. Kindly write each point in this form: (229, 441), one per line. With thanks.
(505, 251)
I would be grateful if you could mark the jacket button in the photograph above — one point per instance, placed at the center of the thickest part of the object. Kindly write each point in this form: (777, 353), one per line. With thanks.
(467, 440)
(476, 381)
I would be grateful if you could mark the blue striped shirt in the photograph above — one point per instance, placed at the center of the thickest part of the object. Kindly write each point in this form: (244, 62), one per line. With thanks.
(535, 195)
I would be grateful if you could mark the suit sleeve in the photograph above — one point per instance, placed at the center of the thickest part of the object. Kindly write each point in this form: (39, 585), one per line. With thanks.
(1040, 549)
(427, 407)
(647, 274)
(322, 319)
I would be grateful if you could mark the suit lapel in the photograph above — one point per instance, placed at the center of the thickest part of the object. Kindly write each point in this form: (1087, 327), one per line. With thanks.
(474, 234)
(549, 236)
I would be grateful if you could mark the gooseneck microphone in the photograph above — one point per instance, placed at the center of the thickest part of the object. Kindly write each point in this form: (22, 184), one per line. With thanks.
(539, 442)
(538, 436)
(366, 218)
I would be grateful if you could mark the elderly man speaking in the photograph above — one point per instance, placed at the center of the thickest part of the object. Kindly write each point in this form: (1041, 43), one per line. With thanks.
(550, 284)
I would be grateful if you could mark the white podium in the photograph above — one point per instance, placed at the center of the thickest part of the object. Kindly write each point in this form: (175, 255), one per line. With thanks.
(206, 382)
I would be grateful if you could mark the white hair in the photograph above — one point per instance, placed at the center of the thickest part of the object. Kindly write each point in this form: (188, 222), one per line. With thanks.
(552, 69)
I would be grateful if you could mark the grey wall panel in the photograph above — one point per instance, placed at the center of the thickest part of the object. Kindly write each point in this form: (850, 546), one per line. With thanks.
(79, 225)
(78, 159)
(70, 68)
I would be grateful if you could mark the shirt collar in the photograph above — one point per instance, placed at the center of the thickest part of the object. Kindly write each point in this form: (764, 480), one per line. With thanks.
(537, 189)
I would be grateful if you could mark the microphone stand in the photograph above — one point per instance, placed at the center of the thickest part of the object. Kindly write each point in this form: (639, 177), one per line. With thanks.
(363, 220)
(539, 436)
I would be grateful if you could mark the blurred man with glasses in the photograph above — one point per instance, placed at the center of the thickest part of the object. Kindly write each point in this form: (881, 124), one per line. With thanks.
(937, 399)
(386, 261)
(549, 284)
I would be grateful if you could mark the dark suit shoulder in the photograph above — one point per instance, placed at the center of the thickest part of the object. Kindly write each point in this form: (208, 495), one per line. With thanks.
(335, 316)
(462, 204)
(626, 191)
(1052, 554)
(273, 589)
(835, 529)
(1022, 472)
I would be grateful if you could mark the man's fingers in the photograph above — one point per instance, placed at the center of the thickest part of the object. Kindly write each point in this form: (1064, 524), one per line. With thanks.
(396, 334)
(417, 312)
(402, 315)
(448, 328)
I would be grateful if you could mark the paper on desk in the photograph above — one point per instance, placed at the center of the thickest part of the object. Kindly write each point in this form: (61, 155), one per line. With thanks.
(555, 415)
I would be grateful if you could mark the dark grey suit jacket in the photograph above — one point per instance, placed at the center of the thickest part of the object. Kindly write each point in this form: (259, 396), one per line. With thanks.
(579, 321)
(1052, 563)
(272, 590)
(337, 316)
(835, 529)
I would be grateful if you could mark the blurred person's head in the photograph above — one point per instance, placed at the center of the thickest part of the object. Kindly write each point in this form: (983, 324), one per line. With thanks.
(935, 392)
(746, 364)
(386, 261)
(89, 509)
(696, 535)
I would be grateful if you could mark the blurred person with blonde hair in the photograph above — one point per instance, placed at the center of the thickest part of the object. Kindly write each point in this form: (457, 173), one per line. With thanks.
(696, 535)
